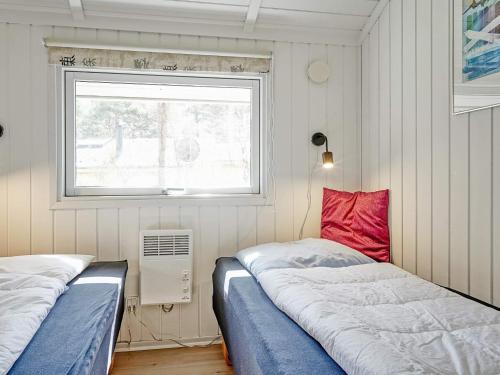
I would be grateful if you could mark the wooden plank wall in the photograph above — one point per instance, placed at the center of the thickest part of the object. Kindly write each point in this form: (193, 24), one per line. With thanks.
(442, 169)
(28, 225)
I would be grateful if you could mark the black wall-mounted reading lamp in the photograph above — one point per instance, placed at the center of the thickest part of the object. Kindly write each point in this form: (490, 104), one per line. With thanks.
(319, 139)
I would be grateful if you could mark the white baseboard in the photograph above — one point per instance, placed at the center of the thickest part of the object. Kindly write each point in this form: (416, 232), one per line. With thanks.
(165, 344)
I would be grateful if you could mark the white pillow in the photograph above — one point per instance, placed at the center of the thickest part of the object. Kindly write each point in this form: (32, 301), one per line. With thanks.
(62, 267)
(311, 252)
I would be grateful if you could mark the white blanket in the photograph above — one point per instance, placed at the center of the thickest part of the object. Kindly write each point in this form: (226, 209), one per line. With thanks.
(29, 288)
(378, 319)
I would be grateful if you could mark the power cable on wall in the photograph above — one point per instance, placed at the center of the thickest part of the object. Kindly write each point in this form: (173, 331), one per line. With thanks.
(129, 341)
(309, 194)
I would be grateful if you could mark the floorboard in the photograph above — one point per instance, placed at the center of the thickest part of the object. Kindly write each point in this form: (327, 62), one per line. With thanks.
(183, 361)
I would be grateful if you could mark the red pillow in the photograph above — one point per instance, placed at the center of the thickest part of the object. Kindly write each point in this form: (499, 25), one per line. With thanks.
(358, 220)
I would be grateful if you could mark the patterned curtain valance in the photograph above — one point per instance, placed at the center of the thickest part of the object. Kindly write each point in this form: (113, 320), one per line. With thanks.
(99, 57)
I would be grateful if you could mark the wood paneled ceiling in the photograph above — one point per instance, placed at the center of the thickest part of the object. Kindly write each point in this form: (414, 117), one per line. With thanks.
(340, 21)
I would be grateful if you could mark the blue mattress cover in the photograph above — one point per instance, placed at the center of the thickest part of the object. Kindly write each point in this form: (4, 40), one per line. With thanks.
(261, 339)
(80, 332)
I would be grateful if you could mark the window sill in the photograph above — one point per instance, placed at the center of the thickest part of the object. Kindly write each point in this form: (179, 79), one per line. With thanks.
(68, 203)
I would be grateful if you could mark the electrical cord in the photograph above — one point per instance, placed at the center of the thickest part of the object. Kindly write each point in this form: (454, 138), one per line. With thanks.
(129, 341)
(309, 196)
(309, 187)
(167, 309)
(270, 138)
(160, 339)
(272, 161)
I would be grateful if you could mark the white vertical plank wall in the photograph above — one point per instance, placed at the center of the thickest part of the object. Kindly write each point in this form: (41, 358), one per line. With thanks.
(441, 137)
(409, 148)
(396, 134)
(29, 225)
(4, 145)
(424, 140)
(443, 168)
(18, 182)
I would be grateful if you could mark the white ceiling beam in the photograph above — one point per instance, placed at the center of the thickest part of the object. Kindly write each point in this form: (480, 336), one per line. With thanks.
(76, 8)
(139, 6)
(373, 19)
(252, 14)
(348, 7)
(166, 25)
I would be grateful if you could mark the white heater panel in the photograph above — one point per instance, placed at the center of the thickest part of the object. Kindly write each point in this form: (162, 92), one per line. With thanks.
(166, 266)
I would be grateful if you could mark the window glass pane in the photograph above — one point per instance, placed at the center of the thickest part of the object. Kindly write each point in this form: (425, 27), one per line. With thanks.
(132, 135)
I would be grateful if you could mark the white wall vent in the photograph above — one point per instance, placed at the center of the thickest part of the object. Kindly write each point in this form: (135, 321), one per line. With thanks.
(166, 244)
(166, 262)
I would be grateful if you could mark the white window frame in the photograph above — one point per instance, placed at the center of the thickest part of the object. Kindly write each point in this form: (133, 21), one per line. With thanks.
(66, 164)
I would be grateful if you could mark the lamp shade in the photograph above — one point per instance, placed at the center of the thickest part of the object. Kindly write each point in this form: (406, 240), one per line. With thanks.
(327, 160)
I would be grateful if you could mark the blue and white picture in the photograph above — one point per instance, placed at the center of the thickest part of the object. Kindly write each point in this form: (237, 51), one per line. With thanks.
(481, 38)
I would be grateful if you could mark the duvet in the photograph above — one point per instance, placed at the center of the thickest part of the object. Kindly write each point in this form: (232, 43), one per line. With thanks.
(29, 288)
(378, 319)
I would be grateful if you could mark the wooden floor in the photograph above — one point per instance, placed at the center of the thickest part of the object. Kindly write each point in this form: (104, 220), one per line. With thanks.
(183, 361)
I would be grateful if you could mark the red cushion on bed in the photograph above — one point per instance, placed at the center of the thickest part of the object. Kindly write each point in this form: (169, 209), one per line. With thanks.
(358, 220)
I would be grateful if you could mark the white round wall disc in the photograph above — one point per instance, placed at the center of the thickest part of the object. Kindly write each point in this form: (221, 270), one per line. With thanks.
(318, 72)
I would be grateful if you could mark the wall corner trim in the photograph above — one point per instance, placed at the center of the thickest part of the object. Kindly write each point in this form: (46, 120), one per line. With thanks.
(377, 12)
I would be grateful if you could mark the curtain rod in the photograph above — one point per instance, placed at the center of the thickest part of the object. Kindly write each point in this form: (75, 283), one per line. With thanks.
(117, 47)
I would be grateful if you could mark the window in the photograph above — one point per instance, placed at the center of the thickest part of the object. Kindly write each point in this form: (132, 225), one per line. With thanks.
(141, 134)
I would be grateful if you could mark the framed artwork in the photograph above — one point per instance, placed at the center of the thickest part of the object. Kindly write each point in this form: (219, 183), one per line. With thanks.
(481, 38)
(476, 54)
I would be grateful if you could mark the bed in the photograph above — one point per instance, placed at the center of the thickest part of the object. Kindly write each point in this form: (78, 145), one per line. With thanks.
(316, 306)
(79, 334)
(260, 338)
(336, 303)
